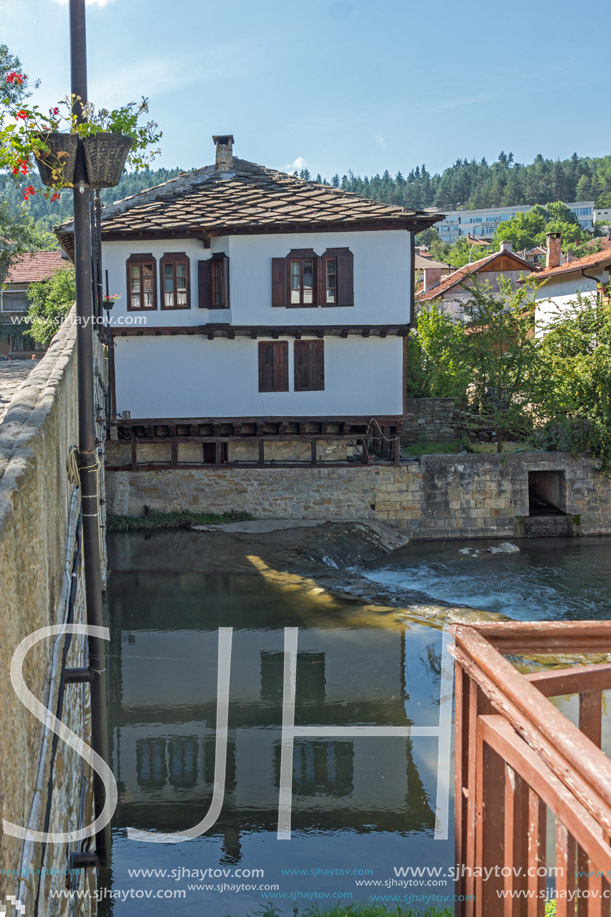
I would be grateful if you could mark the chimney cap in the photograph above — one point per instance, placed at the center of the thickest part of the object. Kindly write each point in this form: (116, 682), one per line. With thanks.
(506, 245)
(223, 139)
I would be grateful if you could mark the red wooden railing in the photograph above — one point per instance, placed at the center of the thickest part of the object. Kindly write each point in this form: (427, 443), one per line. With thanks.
(518, 758)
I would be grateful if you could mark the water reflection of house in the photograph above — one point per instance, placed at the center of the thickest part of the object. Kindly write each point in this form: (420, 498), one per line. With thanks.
(164, 742)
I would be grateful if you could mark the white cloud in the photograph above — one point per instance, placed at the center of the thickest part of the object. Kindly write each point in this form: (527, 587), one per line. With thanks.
(296, 166)
(381, 141)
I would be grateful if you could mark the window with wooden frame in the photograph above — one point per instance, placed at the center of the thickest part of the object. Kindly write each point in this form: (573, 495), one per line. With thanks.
(175, 281)
(304, 279)
(141, 283)
(273, 366)
(309, 366)
(336, 273)
(213, 281)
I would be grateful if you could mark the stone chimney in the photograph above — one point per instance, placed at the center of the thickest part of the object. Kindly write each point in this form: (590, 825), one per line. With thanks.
(224, 153)
(506, 246)
(431, 277)
(554, 249)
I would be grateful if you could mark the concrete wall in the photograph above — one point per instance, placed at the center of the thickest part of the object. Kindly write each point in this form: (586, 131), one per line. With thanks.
(445, 496)
(38, 513)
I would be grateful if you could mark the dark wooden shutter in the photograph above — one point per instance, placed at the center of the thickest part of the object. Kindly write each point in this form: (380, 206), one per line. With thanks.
(273, 366)
(309, 366)
(204, 285)
(222, 257)
(279, 282)
(321, 282)
(345, 280)
(226, 277)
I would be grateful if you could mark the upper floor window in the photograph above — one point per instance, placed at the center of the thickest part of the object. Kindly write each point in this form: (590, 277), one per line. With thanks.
(175, 281)
(305, 279)
(141, 282)
(14, 300)
(301, 275)
(213, 281)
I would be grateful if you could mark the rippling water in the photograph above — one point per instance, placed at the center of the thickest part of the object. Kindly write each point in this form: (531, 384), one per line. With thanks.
(550, 579)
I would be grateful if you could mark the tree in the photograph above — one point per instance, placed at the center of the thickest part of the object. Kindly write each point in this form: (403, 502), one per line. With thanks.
(574, 390)
(436, 363)
(465, 251)
(523, 230)
(501, 350)
(528, 229)
(428, 236)
(50, 302)
(18, 234)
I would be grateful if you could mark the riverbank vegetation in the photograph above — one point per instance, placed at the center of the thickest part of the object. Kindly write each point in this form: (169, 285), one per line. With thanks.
(550, 387)
(181, 519)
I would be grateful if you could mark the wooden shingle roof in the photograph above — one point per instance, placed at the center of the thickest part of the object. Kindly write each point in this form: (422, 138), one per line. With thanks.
(250, 199)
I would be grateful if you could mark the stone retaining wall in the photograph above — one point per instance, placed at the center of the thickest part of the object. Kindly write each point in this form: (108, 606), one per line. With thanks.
(430, 420)
(36, 498)
(439, 496)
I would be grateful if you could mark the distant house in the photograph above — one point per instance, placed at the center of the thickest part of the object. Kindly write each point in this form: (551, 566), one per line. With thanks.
(262, 317)
(24, 270)
(562, 282)
(536, 255)
(453, 291)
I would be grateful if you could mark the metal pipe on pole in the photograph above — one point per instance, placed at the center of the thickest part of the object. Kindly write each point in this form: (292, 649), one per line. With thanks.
(88, 456)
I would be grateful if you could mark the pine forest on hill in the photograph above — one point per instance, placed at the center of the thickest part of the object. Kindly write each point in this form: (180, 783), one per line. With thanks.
(464, 185)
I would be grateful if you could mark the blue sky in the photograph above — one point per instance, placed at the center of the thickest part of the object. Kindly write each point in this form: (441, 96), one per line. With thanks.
(338, 84)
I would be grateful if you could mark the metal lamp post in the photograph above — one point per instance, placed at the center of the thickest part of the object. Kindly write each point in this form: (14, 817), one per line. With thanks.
(88, 456)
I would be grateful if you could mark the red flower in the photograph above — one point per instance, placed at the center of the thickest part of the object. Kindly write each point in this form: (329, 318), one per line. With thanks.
(28, 192)
(14, 77)
(22, 114)
(54, 111)
(55, 197)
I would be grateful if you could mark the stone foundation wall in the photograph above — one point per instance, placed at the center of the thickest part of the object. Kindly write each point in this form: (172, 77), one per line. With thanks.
(38, 512)
(439, 496)
(430, 420)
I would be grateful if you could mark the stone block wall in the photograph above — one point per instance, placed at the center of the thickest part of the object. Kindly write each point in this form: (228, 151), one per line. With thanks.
(439, 496)
(430, 420)
(38, 513)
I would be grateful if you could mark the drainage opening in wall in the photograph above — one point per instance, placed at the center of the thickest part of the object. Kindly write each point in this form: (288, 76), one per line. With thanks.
(546, 493)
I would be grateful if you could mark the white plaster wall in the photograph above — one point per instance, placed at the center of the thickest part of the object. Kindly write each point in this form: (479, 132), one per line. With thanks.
(558, 296)
(453, 302)
(191, 376)
(382, 268)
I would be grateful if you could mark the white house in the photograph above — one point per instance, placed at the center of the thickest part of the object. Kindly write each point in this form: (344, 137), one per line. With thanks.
(261, 317)
(563, 282)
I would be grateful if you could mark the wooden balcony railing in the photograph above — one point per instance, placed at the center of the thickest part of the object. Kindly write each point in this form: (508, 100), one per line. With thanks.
(518, 759)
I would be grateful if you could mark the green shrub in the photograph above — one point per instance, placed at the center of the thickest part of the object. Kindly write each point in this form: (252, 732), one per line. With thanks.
(182, 519)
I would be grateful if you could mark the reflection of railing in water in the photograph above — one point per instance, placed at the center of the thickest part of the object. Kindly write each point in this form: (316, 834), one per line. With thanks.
(516, 756)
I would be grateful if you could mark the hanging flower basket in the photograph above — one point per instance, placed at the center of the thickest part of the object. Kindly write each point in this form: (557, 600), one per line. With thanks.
(105, 155)
(56, 165)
